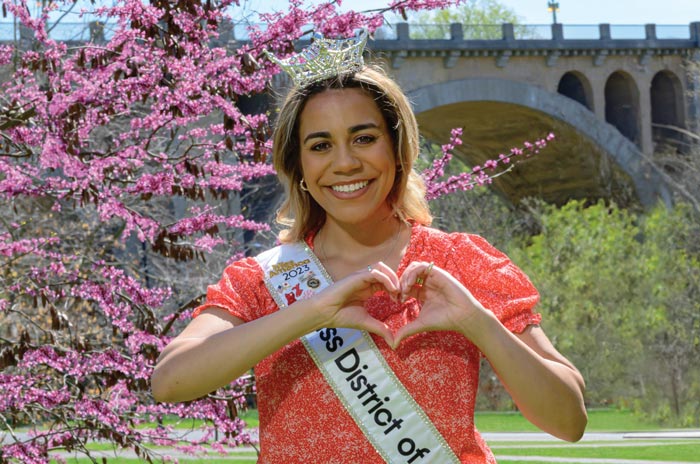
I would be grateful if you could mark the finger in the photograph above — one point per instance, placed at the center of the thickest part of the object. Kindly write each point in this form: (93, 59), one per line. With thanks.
(377, 327)
(386, 270)
(384, 278)
(412, 328)
(413, 271)
(414, 278)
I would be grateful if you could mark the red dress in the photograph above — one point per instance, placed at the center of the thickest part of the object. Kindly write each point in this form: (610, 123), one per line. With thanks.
(302, 421)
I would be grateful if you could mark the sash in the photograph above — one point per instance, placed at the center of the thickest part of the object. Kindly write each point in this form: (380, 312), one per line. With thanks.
(353, 366)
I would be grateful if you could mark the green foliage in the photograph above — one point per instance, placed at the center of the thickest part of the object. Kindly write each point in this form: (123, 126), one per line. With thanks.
(579, 263)
(474, 12)
(673, 335)
(620, 298)
(481, 20)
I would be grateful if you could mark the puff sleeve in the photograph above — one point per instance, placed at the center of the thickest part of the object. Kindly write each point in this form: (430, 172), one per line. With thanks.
(241, 291)
(494, 280)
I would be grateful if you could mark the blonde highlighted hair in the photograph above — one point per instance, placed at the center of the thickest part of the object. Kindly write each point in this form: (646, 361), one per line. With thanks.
(299, 211)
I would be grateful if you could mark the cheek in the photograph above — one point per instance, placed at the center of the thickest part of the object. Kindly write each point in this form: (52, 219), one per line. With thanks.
(305, 165)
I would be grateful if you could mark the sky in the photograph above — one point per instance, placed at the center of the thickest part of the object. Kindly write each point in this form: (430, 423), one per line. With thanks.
(638, 12)
(570, 11)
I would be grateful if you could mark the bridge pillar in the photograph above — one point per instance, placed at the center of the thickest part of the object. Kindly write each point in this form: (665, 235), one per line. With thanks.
(456, 31)
(695, 32)
(402, 32)
(646, 138)
(97, 32)
(650, 31)
(557, 31)
(508, 32)
(598, 91)
(693, 76)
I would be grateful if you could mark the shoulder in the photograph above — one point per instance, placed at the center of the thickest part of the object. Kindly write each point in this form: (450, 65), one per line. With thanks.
(247, 266)
(452, 243)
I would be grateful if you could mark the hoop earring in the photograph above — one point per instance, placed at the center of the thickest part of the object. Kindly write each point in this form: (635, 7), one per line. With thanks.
(302, 186)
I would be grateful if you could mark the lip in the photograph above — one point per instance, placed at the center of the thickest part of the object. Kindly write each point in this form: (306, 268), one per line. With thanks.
(350, 194)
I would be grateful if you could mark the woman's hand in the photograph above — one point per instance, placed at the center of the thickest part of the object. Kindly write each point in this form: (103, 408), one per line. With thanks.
(343, 303)
(446, 303)
(546, 387)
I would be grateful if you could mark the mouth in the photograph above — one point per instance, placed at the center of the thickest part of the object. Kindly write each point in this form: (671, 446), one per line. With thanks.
(349, 188)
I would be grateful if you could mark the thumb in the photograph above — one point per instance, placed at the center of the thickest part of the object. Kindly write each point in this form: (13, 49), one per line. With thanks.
(377, 327)
(406, 331)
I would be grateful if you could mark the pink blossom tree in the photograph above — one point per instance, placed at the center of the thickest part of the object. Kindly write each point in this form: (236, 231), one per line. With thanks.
(128, 168)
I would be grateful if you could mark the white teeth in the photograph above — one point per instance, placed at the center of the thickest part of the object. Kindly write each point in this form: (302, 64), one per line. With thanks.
(347, 188)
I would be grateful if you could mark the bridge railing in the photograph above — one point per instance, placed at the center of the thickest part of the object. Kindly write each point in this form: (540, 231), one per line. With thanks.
(85, 31)
(539, 31)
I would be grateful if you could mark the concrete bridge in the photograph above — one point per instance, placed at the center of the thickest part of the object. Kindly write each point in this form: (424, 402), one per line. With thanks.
(610, 94)
(609, 99)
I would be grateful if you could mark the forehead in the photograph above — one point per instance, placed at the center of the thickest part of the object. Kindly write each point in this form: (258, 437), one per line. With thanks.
(337, 109)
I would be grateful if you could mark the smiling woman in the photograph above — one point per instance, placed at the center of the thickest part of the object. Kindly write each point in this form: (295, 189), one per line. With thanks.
(366, 326)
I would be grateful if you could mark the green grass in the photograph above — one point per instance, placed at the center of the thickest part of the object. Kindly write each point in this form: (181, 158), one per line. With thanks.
(677, 451)
(252, 459)
(599, 420)
(603, 420)
(250, 417)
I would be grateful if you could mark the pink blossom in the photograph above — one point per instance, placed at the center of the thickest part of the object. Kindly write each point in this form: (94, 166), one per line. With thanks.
(106, 141)
(477, 177)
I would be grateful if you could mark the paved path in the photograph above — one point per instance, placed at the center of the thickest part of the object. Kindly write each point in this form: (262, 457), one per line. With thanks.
(498, 440)
(594, 436)
(591, 440)
(502, 458)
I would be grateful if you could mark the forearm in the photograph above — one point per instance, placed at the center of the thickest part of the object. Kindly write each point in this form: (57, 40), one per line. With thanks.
(548, 392)
(191, 367)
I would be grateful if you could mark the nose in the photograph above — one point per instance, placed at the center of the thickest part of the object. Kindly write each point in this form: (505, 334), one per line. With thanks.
(345, 160)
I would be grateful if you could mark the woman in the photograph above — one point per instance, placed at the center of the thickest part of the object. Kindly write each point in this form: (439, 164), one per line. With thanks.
(434, 303)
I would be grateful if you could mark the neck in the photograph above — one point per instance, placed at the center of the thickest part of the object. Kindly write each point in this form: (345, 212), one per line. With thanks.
(343, 235)
(346, 248)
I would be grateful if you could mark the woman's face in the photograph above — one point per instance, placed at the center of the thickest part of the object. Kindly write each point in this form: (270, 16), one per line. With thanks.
(347, 156)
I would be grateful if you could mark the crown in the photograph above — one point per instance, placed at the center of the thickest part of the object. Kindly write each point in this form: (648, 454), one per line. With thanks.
(323, 59)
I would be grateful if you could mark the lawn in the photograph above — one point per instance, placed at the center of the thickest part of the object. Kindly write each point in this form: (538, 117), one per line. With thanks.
(672, 450)
(599, 420)
(605, 420)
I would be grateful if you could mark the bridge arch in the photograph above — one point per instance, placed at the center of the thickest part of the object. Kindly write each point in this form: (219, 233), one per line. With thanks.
(666, 108)
(622, 105)
(576, 86)
(587, 148)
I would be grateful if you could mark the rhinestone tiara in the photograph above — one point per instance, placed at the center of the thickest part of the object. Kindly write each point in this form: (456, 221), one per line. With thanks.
(324, 59)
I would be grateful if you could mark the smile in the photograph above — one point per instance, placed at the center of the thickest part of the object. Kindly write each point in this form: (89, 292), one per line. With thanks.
(348, 188)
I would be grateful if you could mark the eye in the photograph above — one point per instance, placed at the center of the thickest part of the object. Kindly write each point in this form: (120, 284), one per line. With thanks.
(365, 139)
(320, 146)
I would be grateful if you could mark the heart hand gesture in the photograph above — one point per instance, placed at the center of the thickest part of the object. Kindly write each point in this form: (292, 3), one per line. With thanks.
(343, 303)
(446, 303)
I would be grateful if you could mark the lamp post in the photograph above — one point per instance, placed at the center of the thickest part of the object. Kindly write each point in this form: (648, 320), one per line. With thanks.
(553, 6)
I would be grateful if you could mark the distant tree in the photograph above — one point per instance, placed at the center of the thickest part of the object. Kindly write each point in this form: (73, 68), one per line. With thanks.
(679, 163)
(672, 335)
(481, 19)
(620, 298)
(585, 263)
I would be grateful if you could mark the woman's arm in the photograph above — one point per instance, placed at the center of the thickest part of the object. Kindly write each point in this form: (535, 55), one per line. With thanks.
(217, 348)
(546, 387)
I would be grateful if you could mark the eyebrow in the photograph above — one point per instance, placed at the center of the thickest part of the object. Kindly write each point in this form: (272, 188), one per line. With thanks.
(352, 130)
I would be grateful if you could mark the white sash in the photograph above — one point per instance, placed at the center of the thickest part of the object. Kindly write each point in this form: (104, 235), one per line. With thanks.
(354, 367)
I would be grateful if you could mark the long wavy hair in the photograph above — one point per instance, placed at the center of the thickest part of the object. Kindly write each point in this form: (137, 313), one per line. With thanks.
(299, 211)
